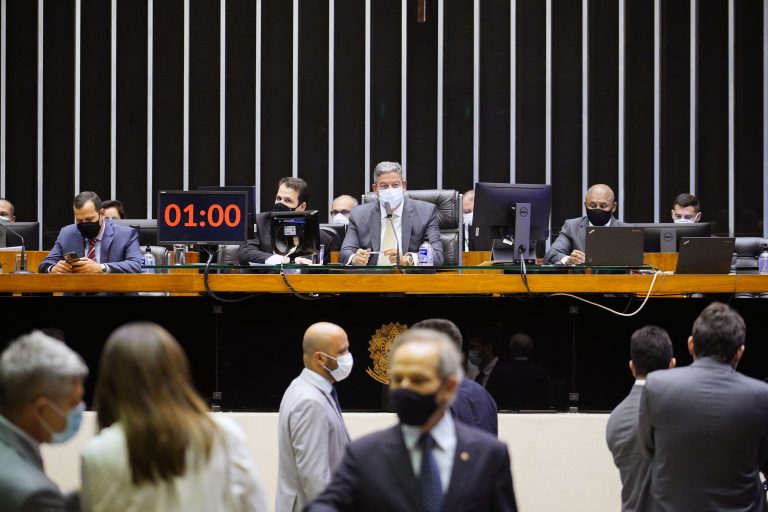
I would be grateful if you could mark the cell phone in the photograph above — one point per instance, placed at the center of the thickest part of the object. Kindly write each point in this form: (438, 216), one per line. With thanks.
(71, 257)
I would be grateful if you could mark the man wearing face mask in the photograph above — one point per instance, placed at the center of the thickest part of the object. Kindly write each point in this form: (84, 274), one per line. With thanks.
(428, 461)
(686, 209)
(568, 248)
(341, 209)
(6, 211)
(375, 234)
(292, 195)
(468, 205)
(41, 390)
(102, 247)
(312, 435)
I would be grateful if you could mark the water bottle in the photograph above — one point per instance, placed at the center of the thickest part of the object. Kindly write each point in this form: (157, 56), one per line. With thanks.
(426, 255)
(762, 261)
(149, 261)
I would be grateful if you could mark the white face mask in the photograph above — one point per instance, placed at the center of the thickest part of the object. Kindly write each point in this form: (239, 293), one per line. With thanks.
(393, 196)
(5, 219)
(468, 218)
(340, 218)
(683, 220)
(344, 367)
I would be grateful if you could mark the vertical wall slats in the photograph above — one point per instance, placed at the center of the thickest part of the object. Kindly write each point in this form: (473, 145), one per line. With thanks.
(150, 104)
(731, 120)
(404, 86)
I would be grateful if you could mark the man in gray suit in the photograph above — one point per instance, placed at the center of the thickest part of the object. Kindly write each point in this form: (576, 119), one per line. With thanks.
(650, 350)
(705, 426)
(311, 431)
(373, 229)
(41, 390)
(568, 248)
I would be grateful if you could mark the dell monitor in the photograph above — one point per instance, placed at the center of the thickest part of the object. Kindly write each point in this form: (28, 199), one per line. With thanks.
(665, 236)
(147, 229)
(30, 231)
(295, 233)
(503, 209)
(250, 191)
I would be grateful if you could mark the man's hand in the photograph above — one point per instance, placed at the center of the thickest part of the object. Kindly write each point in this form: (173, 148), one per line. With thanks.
(392, 255)
(576, 258)
(300, 260)
(86, 266)
(61, 267)
(361, 257)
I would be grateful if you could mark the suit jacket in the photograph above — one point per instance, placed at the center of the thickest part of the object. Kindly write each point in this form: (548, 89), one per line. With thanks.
(311, 439)
(475, 407)
(634, 466)
(376, 476)
(120, 248)
(24, 487)
(572, 237)
(419, 219)
(705, 428)
(257, 250)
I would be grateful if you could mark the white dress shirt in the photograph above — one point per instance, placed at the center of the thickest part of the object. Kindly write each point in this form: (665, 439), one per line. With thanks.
(444, 434)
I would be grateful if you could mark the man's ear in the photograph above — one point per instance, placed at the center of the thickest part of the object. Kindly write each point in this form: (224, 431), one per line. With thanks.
(405, 184)
(672, 362)
(374, 188)
(632, 368)
(690, 347)
(301, 207)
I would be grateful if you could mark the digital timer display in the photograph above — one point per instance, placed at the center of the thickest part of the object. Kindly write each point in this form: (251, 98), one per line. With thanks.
(199, 216)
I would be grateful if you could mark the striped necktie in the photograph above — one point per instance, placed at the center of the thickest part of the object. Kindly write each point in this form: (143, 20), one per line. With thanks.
(92, 250)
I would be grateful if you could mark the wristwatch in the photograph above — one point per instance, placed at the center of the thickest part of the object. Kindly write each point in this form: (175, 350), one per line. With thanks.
(409, 258)
(104, 269)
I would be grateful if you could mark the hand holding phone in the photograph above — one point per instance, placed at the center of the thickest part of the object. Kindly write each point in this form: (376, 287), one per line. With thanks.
(71, 257)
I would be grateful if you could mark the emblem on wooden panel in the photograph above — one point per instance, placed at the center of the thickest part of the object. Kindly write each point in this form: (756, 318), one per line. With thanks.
(378, 348)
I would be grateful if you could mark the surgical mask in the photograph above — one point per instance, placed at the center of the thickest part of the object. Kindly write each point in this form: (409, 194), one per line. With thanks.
(74, 419)
(5, 219)
(282, 207)
(474, 357)
(684, 220)
(598, 217)
(340, 218)
(468, 218)
(413, 408)
(89, 230)
(393, 196)
(344, 367)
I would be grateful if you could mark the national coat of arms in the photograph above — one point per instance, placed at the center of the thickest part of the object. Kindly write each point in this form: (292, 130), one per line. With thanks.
(378, 348)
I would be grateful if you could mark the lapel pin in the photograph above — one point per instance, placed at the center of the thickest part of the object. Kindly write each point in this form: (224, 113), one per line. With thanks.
(464, 456)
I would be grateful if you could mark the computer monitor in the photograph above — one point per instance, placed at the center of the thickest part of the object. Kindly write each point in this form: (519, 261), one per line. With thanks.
(250, 190)
(30, 231)
(665, 236)
(295, 229)
(495, 216)
(147, 229)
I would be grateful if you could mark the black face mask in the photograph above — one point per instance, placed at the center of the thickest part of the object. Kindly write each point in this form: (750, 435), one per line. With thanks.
(281, 207)
(413, 408)
(598, 217)
(89, 229)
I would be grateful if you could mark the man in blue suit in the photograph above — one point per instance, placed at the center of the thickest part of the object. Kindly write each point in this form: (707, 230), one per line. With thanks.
(101, 246)
(428, 461)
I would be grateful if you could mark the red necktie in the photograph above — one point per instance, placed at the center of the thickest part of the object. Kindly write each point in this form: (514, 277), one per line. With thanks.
(92, 250)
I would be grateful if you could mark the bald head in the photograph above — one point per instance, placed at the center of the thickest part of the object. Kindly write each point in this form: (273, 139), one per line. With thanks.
(600, 197)
(323, 343)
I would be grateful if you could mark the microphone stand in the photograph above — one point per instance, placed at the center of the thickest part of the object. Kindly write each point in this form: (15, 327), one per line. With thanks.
(388, 209)
(23, 259)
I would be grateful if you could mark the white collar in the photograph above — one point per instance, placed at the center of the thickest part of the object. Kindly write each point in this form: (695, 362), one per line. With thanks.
(316, 380)
(444, 433)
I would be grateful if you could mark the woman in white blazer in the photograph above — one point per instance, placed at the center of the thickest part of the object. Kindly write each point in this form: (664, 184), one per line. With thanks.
(158, 449)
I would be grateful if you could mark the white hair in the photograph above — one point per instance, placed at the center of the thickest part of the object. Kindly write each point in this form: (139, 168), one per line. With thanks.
(386, 168)
(449, 362)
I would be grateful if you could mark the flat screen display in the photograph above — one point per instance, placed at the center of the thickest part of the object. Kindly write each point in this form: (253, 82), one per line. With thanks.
(199, 216)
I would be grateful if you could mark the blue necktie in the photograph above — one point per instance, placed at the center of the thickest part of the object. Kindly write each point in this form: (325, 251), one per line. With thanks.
(335, 398)
(431, 488)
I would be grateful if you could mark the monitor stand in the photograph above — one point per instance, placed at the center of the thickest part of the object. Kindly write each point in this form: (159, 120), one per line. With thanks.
(519, 247)
(667, 240)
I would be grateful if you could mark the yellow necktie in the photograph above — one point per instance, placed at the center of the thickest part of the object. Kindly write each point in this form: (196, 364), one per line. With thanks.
(388, 242)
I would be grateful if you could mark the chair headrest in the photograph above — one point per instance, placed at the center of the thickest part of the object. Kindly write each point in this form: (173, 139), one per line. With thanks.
(449, 209)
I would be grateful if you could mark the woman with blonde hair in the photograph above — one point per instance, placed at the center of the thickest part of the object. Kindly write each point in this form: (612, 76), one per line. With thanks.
(158, 448)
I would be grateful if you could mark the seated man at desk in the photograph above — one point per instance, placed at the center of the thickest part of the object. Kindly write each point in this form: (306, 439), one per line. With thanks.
(568, 248)
(101, 246)
(375, 231)
(686, 209)
(6, 211)
(292, 195)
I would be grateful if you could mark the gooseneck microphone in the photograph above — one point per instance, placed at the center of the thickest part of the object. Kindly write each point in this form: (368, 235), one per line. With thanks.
(388, 209)
(23, 260)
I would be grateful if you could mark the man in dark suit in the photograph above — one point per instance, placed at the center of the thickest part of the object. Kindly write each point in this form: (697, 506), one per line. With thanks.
(102, 247)
(292, 195)
(650, 350)
(487, 369)
(705, 426)
(473, 405)
(408, 223)
(568, 248)
(41, 390)
(428, 462)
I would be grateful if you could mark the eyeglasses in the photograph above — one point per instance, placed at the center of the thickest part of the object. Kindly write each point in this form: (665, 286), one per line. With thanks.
(343, 212)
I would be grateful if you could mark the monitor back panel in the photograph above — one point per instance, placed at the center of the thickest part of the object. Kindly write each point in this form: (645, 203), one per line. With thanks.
(705, 255)
(614, 246)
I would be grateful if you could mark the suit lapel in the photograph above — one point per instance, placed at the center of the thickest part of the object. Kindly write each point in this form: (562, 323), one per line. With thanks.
(407, 225)
(331, 403)
(375, 224)
(106, 241)
(462, 460)
(399, 462)
(582, 233)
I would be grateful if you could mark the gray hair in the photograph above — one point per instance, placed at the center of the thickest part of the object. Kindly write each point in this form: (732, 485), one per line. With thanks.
(36, 364)
(449, 362)
(386, 168)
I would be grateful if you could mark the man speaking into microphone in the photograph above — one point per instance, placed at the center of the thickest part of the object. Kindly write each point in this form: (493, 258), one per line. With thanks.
(389, 231)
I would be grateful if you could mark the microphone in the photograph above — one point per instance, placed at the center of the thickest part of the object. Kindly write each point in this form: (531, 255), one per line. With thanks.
(23, 261)
(388, 209)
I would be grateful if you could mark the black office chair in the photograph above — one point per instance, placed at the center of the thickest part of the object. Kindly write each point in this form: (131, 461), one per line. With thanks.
(450, 217)
(337, 232)
(748, 248)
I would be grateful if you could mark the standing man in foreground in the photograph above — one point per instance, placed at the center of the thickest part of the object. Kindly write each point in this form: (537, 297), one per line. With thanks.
(373, 229)
(427, 462)
(41, 392)
(650, 350)
(311, 432)
(705, 426)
